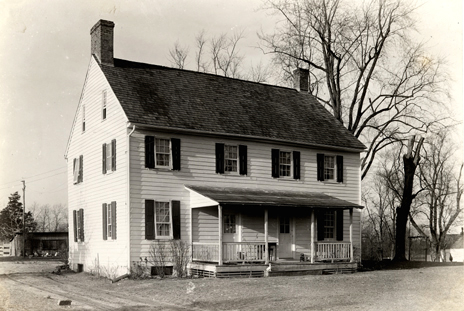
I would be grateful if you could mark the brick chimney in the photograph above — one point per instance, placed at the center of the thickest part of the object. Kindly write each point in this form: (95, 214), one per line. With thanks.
(102, 41)
(301, 79)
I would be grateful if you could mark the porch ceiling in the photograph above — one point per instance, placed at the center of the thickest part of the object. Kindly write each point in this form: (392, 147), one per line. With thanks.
(261, 197)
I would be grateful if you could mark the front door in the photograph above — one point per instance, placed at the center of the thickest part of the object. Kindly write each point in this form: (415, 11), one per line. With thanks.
(285, 238)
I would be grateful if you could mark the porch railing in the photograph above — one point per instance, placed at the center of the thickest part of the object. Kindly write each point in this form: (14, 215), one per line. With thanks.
(244, 251)
(333, 251)
(205, 252)
(231, 252)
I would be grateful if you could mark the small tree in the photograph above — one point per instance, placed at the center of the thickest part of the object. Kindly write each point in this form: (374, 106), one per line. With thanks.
(11, 218)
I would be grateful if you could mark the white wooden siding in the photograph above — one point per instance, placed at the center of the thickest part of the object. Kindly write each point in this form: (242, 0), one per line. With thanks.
(198, 168)
(109, 257)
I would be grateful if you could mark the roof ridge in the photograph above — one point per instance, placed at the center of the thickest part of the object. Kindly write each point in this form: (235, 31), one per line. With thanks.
(148, 65)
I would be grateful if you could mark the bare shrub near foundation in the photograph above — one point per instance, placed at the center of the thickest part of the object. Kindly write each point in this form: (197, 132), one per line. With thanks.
(159, 256)
(181, 257)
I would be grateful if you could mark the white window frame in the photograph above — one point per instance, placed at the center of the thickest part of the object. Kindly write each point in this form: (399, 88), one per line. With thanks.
(286, 164)
(226, 158)
(104, 111)
(80, 226)
(109, 225)
(157, 235)
(76, 170)
(334, 168)
(334, 226)
(169, 166)
(109, 157)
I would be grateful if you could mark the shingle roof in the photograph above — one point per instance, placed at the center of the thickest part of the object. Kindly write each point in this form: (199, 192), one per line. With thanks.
(261, 197)
(167, 97)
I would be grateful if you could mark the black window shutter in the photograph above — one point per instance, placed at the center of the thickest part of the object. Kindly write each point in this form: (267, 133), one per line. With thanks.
(176, 219)
(75, 225)
(81, 217)
(320, 166)
(243, 157)
(175, 145)
(219, 158)
(104, 158)
(339, 222)
(339, 168)
(150, 151)
(296, 164)
(81, 169)
(104, 221)
(113, 155)
(320, 225)
(113, 220)
(275, 163)
(149, 219)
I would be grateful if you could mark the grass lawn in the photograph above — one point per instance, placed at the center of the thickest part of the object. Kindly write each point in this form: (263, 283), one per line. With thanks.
(408, 287)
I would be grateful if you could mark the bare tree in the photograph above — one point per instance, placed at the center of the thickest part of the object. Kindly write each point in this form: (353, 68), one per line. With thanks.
(441, 198)
(178, 55)
(362, 65)
(59, 217)
(50, 219)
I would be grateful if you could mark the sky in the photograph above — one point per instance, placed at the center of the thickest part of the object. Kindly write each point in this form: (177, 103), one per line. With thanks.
(45, 53)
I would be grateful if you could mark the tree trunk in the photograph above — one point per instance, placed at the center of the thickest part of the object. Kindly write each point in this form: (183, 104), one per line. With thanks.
(410, 162)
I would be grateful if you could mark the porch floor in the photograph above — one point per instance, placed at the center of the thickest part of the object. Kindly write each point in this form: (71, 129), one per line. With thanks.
(275, 268)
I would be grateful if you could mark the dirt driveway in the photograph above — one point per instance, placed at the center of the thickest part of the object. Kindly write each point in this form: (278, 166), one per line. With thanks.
(31, 286)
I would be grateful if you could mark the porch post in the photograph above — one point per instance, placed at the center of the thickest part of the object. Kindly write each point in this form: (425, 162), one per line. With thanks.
(266, 245)
(220, 233)
(351, 235)
(312, 235)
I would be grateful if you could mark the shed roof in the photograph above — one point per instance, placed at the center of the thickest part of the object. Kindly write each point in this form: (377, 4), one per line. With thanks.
(187, 100)
(277, 198)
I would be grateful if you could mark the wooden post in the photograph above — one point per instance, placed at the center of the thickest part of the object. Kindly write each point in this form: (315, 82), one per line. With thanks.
(351, 235)
(220, 233)
(266, 233)
(312, 236)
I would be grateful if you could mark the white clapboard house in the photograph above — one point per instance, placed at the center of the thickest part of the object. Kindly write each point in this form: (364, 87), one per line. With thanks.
(252, 176)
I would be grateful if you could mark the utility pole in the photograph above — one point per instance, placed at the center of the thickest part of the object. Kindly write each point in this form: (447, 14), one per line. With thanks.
(24, 217)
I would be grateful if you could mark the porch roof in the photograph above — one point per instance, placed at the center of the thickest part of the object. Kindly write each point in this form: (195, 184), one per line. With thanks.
(262, 197)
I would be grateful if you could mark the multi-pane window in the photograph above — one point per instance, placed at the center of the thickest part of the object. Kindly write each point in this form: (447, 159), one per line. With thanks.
(108, 221)
(230, 158)
(329, 167)
(78, 170)
(285, 163)
(104, 105)
(78, 225)
(229, 224)
(162, 219)
(285, 225)
(329, 225)
(162, 152)
(109, 157)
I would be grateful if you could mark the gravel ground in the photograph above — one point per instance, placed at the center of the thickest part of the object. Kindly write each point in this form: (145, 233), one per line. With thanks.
(430, 288)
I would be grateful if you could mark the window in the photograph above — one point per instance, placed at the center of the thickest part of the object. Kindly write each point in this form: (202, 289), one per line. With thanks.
(231, 159)
(229, 224)
(78, 170)
(78, 225)
(162, 220)
(109, 157)
(330, 225)
(104, 105)
(162, 153)
(285, 163)
(329, 167)
(109, 221)
(284, 225)
(83, 118)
